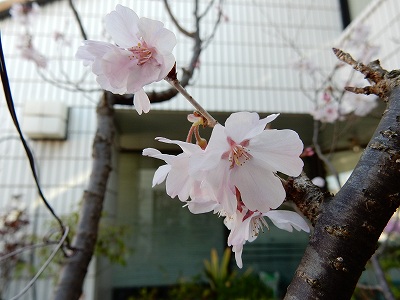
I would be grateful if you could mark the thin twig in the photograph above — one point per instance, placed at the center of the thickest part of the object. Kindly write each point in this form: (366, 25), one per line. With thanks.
(321, 156)
(175, 21)
(78, 19)
(26, 248)
(175, 83)
(44, 266)
(387, 293)
(214, 30)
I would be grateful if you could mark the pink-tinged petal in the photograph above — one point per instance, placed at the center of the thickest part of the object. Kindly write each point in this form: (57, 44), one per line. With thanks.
(218, 183)
(197, 207)
(164, 41)
(141, 102)
(166, 63)
(260, 190)
(284, 219)
(92, 50)
(141, 75)
(121, 24)
(117, 66)
(278, 150)
(104, 83)
(148, 30)
(160, 174)
(245, 125)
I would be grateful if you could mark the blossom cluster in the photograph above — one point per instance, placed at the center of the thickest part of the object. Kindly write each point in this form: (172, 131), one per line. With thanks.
(235, 176)
(235, 173)
(329, 109)
(331, 103)
(24, 14)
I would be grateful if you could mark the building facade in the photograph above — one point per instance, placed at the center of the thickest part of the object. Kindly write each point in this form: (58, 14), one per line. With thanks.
(248, 66)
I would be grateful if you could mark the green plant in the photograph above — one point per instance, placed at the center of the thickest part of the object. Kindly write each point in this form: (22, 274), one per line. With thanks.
(222, 283)
(218, 274)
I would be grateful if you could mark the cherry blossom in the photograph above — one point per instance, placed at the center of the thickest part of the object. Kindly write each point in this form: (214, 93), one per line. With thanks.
(328, 112)
(29, 52)
(142, 55)
(176, 171)
(24, 13)
(246, 224)
(358, 104)
(242, 156)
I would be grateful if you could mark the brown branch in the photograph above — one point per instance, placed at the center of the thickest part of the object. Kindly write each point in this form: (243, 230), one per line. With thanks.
(175, 21)
(348, 227)
(307, 196)
(74, 271)
(78, 19)
(382, 81)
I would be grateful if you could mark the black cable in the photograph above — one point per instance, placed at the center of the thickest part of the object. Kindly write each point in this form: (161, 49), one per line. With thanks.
(10, 104)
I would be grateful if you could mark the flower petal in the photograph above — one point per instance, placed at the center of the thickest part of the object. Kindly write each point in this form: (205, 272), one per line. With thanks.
(260, 190)
(164, 40)
(148, 30)
(245, 125)
(121, 24)
(284, 219)
(238, 249)
(186, 147)
(141, 102)
(278, 150)
(160, 174)
(141, 75)
(92, 50)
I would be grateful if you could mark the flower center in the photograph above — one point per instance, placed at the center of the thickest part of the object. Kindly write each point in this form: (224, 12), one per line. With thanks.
(238, 154)
(141, 52)
(258, 223)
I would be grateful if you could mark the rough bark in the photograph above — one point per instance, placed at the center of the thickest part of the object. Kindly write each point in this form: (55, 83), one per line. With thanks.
(74, 271)
(349, 225)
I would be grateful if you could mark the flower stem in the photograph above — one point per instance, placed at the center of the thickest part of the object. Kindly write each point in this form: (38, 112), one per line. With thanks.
(211, 122)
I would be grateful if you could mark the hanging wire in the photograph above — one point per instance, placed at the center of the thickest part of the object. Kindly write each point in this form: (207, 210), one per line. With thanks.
(11, 108)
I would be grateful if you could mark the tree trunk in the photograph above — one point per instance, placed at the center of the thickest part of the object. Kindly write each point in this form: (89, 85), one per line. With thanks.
(349, 225)
(73, 273)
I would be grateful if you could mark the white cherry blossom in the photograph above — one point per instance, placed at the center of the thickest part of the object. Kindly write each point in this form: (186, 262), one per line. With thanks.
(243, 155)
(245, 226)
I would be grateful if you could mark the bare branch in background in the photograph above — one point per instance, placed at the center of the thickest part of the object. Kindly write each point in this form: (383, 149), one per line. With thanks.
(176, 22)
(387, 293)
(78, 19)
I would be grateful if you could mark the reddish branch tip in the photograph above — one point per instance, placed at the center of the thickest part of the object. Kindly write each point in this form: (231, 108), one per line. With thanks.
(172, 73)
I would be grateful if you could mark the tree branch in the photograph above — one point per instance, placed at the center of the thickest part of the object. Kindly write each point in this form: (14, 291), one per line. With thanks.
(381, 278)
(307, 196)
(78, 19)
(175, 21)
(349, 225)
(73, 273)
